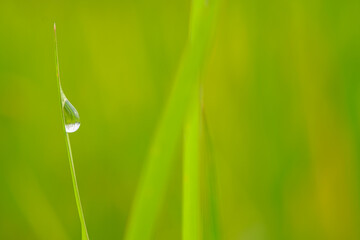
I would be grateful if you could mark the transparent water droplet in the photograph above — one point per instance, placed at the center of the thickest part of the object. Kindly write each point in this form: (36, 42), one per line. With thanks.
(71, 115)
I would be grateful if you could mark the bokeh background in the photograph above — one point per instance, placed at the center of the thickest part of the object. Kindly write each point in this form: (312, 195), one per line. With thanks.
(281, 98)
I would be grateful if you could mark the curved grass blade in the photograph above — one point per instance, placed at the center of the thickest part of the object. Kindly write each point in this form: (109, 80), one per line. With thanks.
(84, 233)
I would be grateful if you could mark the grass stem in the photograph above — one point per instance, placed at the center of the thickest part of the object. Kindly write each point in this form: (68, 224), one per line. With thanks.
(191, 179)
(84, 233)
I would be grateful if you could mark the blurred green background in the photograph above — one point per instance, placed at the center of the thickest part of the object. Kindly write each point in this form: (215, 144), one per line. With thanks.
(281, 97)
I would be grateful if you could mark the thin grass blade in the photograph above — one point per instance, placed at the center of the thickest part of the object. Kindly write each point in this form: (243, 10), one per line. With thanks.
(84, 233)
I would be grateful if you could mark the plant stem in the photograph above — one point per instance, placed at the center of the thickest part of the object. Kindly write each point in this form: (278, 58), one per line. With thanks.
(211, 219)
(191, 179)
(84, 233)
(191, 222)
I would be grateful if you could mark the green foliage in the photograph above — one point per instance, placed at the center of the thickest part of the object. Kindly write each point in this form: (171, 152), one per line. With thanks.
(280, 93)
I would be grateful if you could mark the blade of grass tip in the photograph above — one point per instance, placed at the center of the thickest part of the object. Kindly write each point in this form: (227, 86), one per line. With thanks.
(191, 185)
(84, 233)
(149, 195)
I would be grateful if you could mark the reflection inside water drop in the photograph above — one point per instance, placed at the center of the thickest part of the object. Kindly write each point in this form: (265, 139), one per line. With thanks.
(72, 127)
(71, 115)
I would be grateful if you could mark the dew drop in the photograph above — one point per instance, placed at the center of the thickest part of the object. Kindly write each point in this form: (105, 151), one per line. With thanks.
(72, 118)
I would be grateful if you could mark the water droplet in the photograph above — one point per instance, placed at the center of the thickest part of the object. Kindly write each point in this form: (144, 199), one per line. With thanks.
(71, 115)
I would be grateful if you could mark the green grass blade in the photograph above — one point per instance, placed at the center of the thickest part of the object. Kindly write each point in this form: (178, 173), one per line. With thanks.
(211, 219)
(84, 233)
(153, 181)
(191, 179)
(156, 171)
